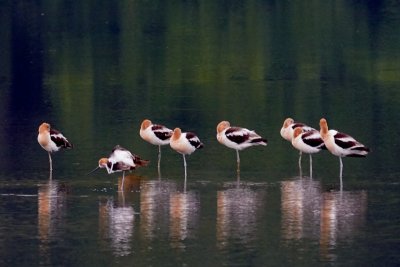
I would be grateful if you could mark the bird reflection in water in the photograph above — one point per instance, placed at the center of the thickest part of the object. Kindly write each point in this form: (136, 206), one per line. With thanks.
(329, 217)
(300, 205)
(343, 213)
(116, 218)
(238, 212)
(184, 216)
(154, 207)
(51, 214)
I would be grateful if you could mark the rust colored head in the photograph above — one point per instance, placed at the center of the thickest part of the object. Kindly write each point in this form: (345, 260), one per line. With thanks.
(222, 126)
(145, 124)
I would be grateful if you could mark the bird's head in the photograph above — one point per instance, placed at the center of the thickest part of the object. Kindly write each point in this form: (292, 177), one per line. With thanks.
(323, 125)
(297, 131)
(44, 127)
(145, 124)
(103, 162)
(287, 122)
(176, 134)
(222, 126)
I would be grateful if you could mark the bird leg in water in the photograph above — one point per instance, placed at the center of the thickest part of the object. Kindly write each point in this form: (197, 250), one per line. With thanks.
(159, 158)
(341, 174)
(123, 180)
(238, 161)
(50, 162)
(184, 164)
(300, 154)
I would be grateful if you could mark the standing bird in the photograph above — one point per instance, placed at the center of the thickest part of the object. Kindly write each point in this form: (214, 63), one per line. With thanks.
(185, 144)
(155, 134)
(341, 144)
(120, 160)
(238, 138)
(288, 128)
(51, 140)
(309, 142)
(287, 131)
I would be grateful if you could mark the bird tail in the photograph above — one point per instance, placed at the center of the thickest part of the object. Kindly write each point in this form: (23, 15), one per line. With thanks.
(68, 145)
(141, 162)
(260, 141)
(359, 151)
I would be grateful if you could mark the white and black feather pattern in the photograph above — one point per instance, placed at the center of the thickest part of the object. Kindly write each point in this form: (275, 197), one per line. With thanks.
(308, 142)
(287, 131)
(59, 139)
(346, 142)
(238, 135)
(303, 126)
(344, 145)
(194, 140)
(121, 159)
(313, 139)
(161, 132)
(240, 138)
(185, 143)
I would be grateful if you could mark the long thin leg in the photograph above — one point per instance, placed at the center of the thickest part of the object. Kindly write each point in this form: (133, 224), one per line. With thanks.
(184, 164)
(238, 180)
(310, 166)
(238, 161)
(159, 157)
(50, 162)
(300, 154)
(123, 180)
(300, 169)
(159, 162)
(341, 173)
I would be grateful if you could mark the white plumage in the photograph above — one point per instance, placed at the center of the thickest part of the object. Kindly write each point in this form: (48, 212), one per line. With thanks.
(288, 128)
(341, 144)
(309, 142)
(185, 143)
(238, 138)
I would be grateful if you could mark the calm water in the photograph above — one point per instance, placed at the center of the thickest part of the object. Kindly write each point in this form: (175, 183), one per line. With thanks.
(96, 70)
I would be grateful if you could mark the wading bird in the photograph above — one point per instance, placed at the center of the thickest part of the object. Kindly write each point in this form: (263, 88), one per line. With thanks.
(120, 160)
(51, 140)
(155, 134)
(185, 143)
(287, 131)
(309, 142)
(341, 145)
(238, 138)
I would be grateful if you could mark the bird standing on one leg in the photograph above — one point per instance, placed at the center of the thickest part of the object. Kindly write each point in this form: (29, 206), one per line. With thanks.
(341, 145)
(155, 134)
(52, 141)
(185, 143)
(238, 138)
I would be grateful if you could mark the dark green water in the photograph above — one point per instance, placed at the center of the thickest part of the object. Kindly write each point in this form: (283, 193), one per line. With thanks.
(96, 69)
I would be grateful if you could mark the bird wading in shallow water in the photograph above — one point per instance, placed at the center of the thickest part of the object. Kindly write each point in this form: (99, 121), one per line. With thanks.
(155, 134)
(287, 132)
(185, 143)
(51, 140)
(120, 160)
(309, 142)
(238, 138)
(341, 145)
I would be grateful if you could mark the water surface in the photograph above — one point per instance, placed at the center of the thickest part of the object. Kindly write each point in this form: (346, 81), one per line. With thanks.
(96, 70)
